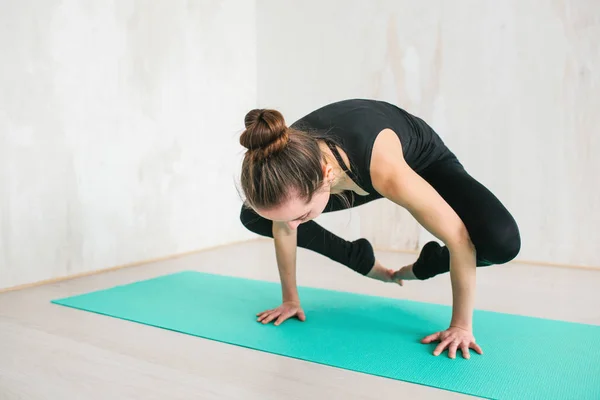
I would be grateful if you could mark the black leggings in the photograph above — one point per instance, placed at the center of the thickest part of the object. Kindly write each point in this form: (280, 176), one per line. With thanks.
(491, 227)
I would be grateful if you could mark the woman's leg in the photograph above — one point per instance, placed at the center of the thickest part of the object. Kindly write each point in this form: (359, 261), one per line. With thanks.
(491, 227)
(357, 255)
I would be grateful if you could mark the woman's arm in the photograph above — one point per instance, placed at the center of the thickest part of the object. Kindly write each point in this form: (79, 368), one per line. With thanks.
(394, 179)
(285, 252)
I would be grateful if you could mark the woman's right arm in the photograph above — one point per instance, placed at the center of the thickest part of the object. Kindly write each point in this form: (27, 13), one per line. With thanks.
(285, 251)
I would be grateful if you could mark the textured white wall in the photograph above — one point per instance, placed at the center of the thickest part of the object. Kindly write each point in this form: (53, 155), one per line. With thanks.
(511, 86)
(119, 123)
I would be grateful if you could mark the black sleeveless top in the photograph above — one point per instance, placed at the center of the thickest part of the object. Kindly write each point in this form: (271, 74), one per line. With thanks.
(354, 125)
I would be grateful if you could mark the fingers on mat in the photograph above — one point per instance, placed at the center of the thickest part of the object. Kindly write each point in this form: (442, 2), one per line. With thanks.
(476, 347)
(301, 316)
(265, 316)
(465, 351)
(452, 349)
(440, 347)
(283, 317)
(431, 338)
(262, 313)
(271, 317)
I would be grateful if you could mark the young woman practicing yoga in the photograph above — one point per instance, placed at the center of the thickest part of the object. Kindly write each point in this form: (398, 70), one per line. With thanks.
(350, 153)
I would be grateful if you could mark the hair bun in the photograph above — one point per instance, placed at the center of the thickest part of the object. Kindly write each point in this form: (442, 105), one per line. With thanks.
(264, 128)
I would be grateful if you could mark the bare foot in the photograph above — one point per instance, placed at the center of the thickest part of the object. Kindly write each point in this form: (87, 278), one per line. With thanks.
(380, 273)
(405, 273)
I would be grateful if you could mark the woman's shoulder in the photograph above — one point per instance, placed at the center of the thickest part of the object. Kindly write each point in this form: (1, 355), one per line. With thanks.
(387, 164)
(355, 125)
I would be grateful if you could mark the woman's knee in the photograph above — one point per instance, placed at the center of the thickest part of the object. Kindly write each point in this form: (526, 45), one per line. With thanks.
(501, 244)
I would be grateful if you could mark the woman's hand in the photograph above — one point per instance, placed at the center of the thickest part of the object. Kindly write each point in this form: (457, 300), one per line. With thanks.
(287, 309)
(453, 338)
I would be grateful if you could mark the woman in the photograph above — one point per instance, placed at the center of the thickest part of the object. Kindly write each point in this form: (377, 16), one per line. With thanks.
(350, 153)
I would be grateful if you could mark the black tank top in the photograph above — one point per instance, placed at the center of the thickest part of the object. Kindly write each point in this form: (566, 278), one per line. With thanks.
(354, 125)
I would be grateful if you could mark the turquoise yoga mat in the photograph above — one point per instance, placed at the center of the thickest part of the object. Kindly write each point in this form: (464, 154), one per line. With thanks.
(524, 358)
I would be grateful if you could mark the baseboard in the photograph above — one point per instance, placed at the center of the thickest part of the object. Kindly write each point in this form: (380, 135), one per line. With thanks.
(118, 267)
(556, 265)
(258, 239)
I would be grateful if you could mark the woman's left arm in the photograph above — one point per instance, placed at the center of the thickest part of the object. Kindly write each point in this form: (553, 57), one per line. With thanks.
(394, 179)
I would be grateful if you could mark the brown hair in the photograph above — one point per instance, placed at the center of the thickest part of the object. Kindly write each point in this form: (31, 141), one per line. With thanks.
(280, 160)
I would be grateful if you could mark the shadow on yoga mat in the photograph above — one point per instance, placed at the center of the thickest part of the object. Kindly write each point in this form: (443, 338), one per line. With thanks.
(524, 357)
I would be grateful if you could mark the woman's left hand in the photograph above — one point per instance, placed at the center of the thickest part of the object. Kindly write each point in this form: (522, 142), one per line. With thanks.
(453, 338)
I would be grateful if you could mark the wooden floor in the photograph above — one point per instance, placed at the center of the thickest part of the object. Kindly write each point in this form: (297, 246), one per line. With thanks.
(53, 352)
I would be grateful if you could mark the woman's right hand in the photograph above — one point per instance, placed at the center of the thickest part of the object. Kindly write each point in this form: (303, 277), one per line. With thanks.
(286, 310)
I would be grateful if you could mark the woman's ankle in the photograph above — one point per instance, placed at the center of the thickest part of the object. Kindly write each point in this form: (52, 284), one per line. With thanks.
(405, 273)
(383, 274)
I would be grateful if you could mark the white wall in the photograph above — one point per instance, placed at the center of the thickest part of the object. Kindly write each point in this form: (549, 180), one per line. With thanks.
(513, 87)
(119, 123)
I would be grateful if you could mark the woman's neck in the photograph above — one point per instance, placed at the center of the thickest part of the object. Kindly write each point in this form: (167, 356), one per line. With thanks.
(342, 181)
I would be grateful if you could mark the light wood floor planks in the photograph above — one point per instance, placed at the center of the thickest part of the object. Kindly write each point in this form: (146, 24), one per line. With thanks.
(53, 352)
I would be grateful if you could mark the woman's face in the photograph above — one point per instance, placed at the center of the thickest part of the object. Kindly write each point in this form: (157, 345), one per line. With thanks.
(296, 210)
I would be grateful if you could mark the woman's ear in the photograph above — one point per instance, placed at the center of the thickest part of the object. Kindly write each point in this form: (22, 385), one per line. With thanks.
(328, 174)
